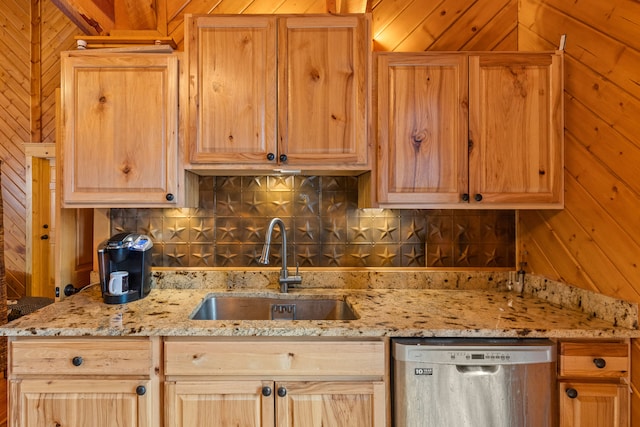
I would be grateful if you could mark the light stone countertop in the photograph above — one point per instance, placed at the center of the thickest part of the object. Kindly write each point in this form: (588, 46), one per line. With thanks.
(443, 310)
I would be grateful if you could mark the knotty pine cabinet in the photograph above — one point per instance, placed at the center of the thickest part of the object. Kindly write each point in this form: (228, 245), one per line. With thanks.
(469, 130)
(214, 382)
(593, 384)
(119, 130)
(285, 92)
(84, 382)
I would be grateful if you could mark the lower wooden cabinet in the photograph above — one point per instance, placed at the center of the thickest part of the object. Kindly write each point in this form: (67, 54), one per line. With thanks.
(115, 382)
(594, 404)
(274, 403)
(79, 382)
(246, 383)
(593, 381)
(90, 402)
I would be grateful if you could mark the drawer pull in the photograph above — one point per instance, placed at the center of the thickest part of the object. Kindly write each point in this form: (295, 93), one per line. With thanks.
(77, 361)
(282, 392)
(572, 393)
(141, 390)
(266, 391)
(599, 362)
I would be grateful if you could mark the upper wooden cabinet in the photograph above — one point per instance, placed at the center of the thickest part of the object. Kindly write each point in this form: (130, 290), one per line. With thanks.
(460, 130)
(119, 130)
(269, 92)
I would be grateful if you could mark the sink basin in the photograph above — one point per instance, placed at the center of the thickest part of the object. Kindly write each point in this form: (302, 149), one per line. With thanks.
(266, 308)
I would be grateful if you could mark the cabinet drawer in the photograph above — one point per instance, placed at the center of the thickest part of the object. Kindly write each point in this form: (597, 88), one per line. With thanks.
(80, 357)
(274, 358)
(594, 360)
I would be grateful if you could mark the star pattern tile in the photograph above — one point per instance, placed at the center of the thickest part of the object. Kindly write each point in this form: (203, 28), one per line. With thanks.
(151, 230)
(202, 257)
(414, 230)
(361, 257)
(334, 257)
(201, 231)
(327, 228)
(254, 204)
(307, 257)
(386, 257)
(307, 204)
(175, 231)
(386, 231)
(360, 231)
(306, 230)
(176, 256)
(334, 229)
(227, 231)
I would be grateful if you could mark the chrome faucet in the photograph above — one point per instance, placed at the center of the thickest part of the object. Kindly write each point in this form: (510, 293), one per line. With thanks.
(285, 280)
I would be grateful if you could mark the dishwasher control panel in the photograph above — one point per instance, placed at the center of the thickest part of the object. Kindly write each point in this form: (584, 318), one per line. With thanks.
(473, 354)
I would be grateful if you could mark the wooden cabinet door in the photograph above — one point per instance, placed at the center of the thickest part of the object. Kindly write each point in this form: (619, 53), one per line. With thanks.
(325, 403)
(80, 403)
(594, 405)
(219, 403)
(232, 89)
(422, 128)
(516, 129)
(120, 129)
(322, 91)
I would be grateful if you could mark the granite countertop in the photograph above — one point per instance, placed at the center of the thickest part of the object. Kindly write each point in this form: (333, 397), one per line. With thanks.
(384, 312)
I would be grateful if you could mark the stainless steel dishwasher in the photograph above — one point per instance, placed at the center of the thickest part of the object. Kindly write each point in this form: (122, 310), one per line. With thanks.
(474, 382)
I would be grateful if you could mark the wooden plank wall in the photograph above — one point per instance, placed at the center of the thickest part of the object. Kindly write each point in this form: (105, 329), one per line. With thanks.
(594, 242)
(15, 128)
(30, 70)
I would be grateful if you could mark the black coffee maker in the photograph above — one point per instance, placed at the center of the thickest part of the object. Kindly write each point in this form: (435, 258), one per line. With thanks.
(130, 253)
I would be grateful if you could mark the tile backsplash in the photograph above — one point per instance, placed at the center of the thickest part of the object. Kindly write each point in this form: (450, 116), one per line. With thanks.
(324, 227)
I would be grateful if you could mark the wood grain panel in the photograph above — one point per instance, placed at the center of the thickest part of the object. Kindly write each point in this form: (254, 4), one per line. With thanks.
(599, 225)
(15, 59)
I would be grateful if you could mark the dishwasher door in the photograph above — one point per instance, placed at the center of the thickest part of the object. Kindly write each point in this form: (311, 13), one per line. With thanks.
(474, 383)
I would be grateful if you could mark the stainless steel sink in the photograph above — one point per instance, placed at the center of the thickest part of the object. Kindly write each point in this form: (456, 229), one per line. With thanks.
(264, 308)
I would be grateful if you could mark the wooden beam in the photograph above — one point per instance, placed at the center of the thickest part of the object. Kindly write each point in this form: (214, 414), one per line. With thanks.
(93, 17)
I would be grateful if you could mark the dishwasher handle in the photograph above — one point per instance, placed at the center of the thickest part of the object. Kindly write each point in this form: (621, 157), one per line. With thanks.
(478, 369)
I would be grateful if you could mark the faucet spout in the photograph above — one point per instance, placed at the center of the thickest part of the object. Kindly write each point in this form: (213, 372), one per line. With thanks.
(285, 279)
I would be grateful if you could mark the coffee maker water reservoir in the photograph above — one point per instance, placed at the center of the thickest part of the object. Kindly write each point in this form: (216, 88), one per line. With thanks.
(130, 253)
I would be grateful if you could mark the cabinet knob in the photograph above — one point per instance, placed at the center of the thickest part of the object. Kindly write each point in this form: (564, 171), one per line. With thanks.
(44, 237)
(599, 362)
(465, 197)
(572, 393)
(271, 156)
(77, 361)
(283, 157)
(478, 197)
(141, 390)
(170, 197)
(282, 392)
(266, 391)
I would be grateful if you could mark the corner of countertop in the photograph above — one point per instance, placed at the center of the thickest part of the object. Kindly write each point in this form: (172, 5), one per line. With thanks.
(619, 312)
